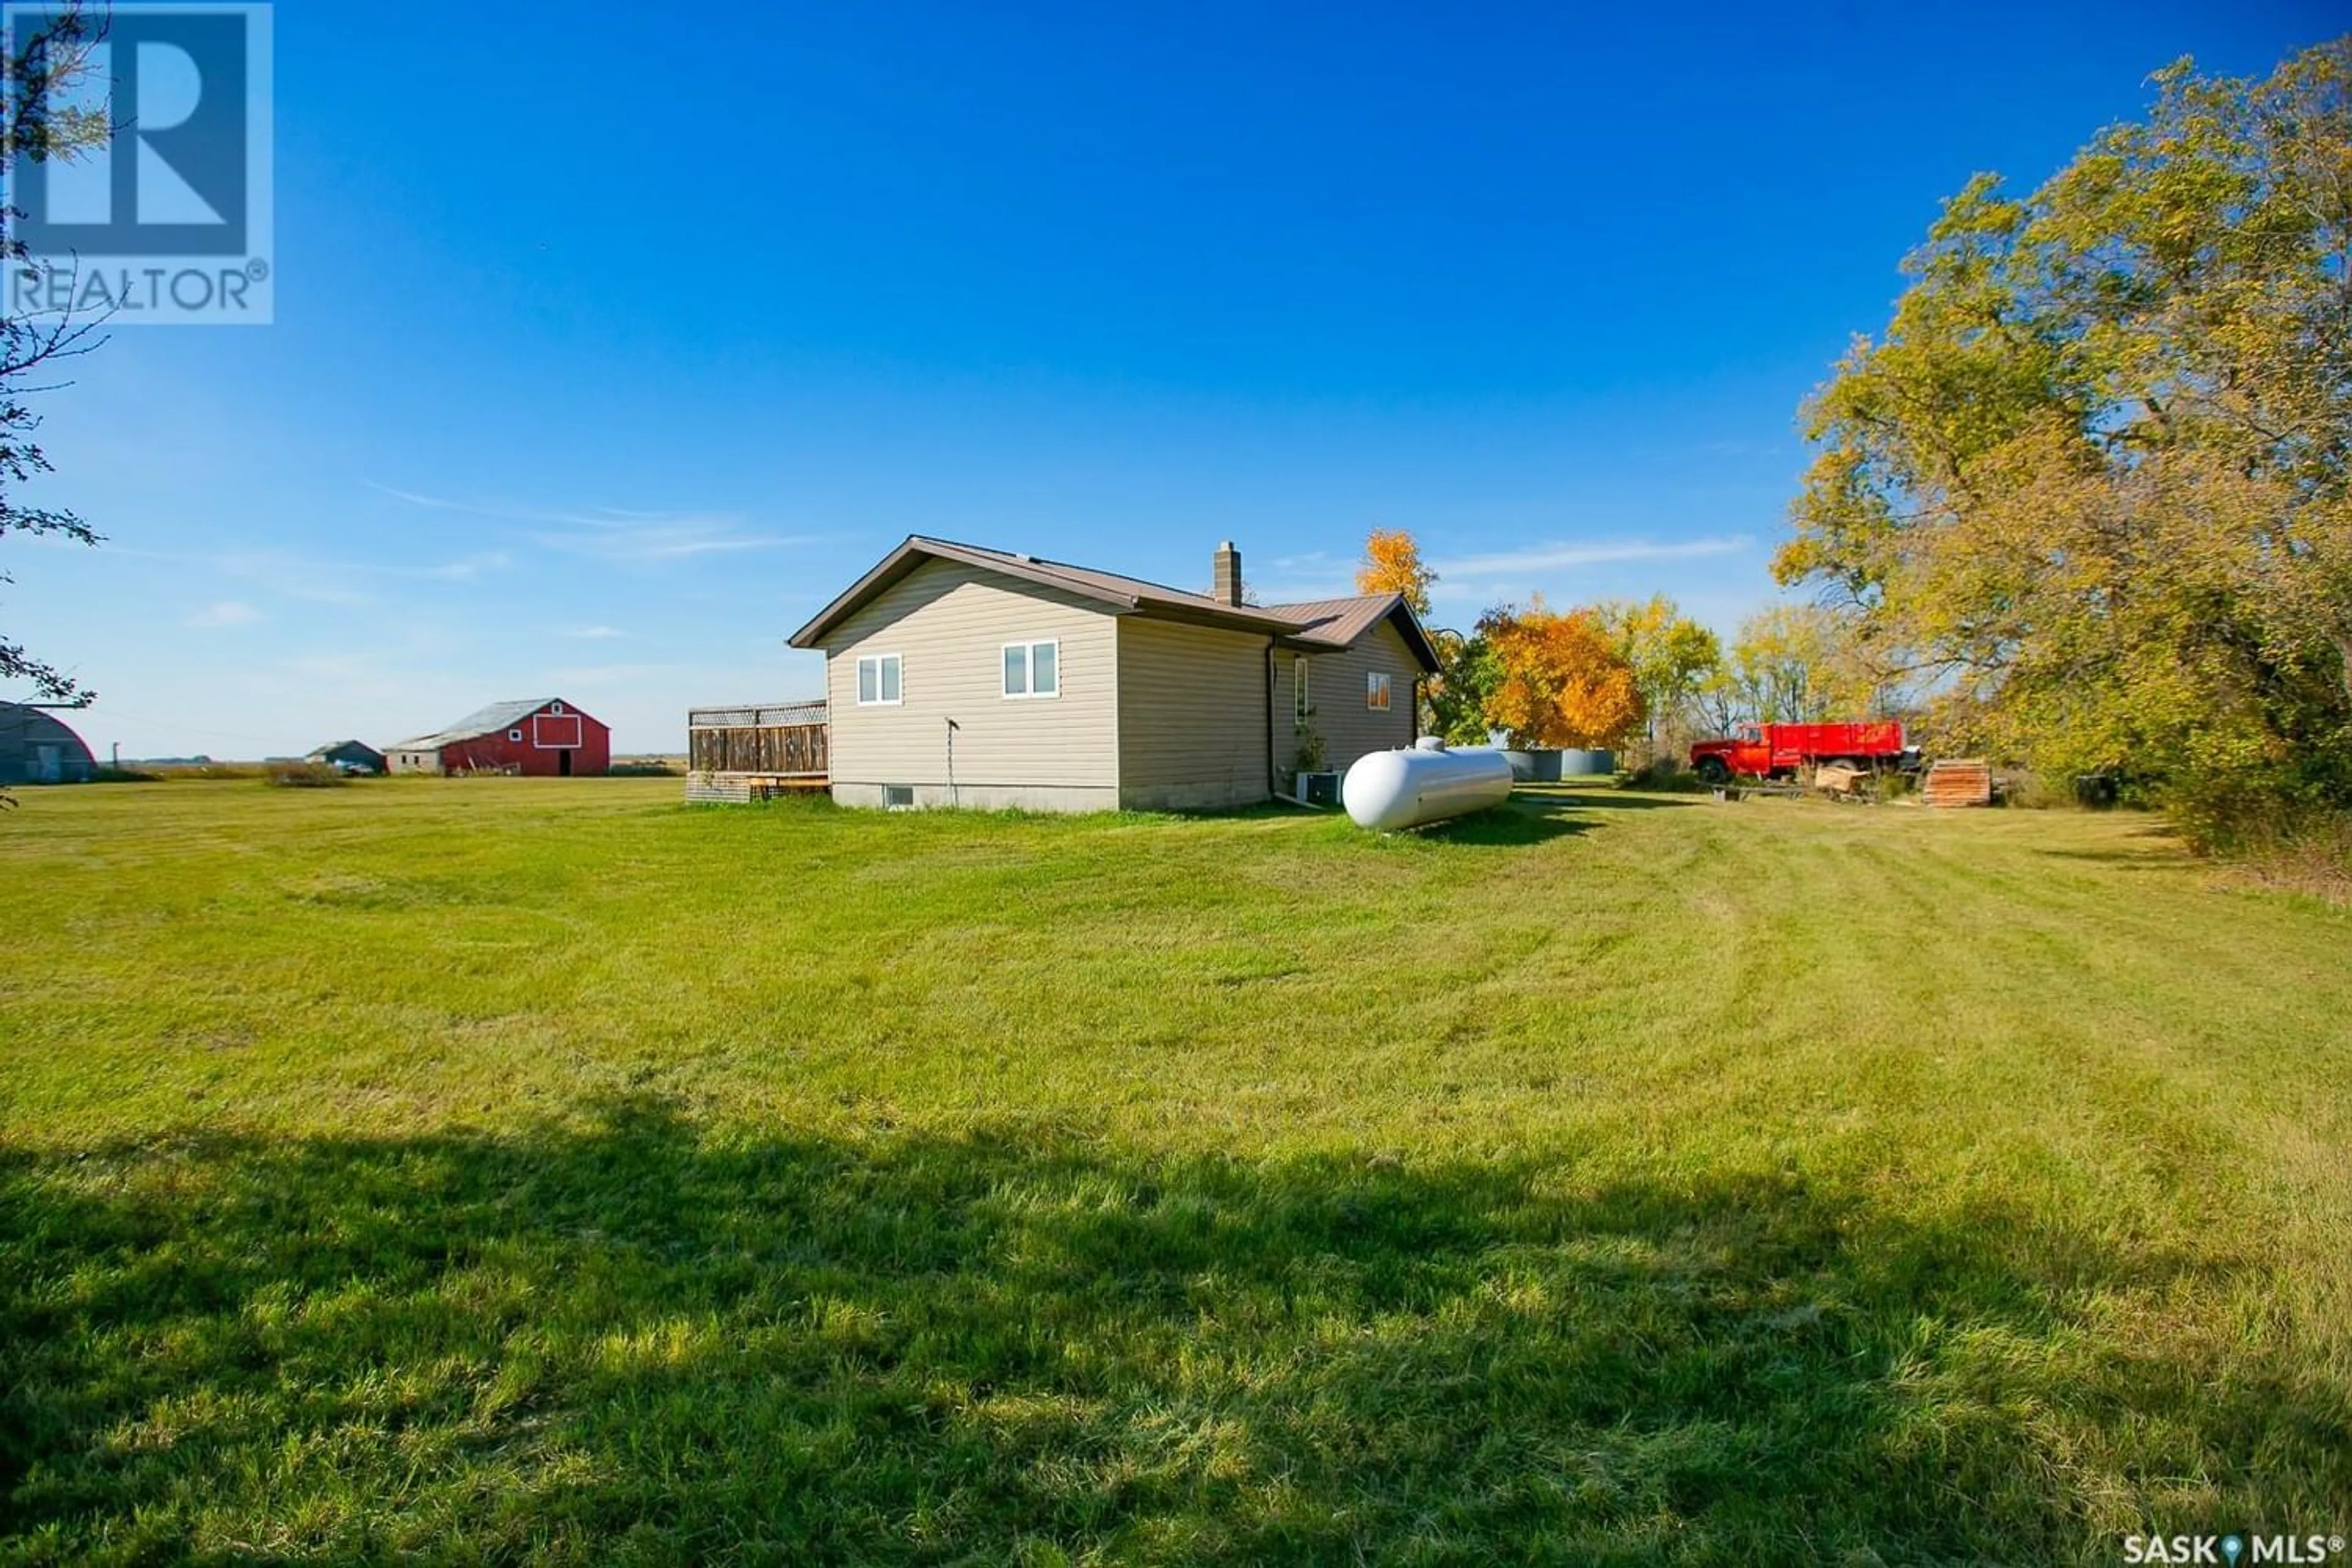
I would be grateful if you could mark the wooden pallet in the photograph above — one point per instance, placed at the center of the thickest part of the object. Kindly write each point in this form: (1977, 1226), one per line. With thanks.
(1958, 781)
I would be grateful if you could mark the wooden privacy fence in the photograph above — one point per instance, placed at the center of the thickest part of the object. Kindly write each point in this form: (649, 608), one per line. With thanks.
(797, 749)
(751, 752)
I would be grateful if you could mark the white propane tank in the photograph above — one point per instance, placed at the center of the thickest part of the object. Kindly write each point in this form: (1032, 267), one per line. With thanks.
(1388, 790)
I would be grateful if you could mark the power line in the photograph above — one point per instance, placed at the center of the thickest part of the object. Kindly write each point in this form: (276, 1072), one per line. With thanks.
(183, 729)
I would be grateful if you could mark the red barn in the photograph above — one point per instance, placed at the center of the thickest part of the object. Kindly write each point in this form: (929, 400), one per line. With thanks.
(544, 738)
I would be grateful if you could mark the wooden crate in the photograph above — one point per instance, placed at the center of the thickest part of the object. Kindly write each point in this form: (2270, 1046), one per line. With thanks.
(1958, 781)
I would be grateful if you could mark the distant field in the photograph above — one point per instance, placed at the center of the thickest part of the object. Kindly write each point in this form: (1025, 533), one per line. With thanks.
(528, 1170)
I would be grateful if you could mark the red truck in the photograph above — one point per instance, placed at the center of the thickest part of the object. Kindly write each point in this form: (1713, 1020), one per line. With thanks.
(1775, 751)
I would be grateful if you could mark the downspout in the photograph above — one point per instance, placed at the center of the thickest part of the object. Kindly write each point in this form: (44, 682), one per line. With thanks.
(1273, 780)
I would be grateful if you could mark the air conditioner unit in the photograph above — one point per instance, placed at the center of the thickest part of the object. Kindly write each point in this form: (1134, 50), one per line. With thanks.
(1315, 788)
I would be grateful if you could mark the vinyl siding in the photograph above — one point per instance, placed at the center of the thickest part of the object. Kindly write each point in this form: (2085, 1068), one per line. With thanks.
(1336, 689)
(1192, 713)
(949, 623)
(986, 797)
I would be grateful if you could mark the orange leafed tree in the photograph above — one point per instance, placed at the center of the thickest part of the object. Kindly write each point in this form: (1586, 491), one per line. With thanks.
(1391, 565)
(1561, 681)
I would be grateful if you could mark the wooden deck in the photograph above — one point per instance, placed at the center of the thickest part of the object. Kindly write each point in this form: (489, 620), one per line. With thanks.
(754, 753)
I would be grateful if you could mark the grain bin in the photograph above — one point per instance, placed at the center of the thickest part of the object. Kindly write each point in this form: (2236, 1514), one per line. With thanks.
(1534, 764)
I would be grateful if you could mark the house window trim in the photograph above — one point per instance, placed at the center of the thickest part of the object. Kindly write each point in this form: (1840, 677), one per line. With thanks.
(1302, 689)
(1378, 692)
(879, 701)
(1029, 670)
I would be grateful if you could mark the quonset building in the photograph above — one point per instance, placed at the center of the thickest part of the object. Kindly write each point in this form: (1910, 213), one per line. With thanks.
(36, 748)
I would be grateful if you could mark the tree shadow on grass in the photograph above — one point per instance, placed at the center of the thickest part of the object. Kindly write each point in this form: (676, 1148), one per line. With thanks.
(1521, 820)
(1612, 800)
(2173, 859)
(631, 1340)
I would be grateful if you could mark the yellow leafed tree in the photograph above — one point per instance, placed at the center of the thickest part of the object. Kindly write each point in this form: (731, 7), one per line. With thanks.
(1561, 681)
(1392, 564)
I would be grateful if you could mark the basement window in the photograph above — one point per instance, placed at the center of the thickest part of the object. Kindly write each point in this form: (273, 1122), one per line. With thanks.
(1376, 692)
(898, 797)
(1032, 669)
(877, 681)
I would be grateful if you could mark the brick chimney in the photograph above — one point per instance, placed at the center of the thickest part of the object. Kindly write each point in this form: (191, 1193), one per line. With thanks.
(1228, 575)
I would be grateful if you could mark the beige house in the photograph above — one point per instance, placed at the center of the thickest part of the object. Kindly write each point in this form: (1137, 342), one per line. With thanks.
(960, 676)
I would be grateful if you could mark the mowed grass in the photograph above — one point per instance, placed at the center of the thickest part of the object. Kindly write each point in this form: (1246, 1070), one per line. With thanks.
(518, 1169)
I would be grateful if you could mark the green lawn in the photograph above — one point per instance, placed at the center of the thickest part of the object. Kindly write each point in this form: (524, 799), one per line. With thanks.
(518, 1170)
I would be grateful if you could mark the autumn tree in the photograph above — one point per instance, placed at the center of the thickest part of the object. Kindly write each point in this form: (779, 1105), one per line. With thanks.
(1392, 564)
(38, 124)
(1558, 679)
(2092, 486)
(1671, 655)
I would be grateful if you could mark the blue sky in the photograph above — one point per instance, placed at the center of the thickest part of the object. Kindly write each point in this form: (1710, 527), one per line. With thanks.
(608, 347)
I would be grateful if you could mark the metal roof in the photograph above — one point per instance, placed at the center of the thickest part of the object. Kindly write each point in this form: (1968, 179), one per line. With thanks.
(498, 718)
(1340, 622)
(1324, 623)
(22, 722)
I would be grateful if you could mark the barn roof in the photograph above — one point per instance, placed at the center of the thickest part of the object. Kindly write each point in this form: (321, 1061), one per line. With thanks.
(1325, 623)
(490, 720)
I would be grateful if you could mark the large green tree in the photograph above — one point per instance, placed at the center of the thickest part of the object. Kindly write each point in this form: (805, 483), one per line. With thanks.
(2091, 484)
(1457, 697)
(1672, 656)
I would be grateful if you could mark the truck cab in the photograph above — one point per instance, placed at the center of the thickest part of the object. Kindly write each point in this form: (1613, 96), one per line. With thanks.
(1743, 753)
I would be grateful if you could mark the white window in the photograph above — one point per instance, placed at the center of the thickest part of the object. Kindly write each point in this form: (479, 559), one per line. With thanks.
(514, 734)
(1032, 669)
(556, 708)
(877, 681)
(1376, 691)
(1302, 700)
